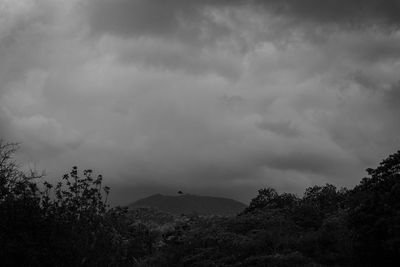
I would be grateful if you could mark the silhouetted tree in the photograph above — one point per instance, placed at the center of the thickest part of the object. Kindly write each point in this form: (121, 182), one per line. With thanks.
(375, 214)
(66, 225)
(267, 197)
(21, 216)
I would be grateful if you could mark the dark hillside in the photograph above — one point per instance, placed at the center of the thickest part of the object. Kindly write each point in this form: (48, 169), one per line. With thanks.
(187, 204)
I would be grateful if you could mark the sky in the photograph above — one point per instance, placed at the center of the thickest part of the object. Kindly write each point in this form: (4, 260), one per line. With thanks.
(211, 97)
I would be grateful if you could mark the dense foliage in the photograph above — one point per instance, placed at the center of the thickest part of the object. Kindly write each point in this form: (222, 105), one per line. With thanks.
(70, 224)
(325, 227)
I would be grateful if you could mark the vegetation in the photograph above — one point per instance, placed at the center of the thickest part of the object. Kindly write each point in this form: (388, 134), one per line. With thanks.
(70, 224)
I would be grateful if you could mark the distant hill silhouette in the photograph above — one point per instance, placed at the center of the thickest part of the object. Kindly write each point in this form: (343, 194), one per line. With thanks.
(188, 204)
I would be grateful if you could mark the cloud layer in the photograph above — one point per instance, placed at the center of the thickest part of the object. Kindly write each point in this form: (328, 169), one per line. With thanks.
(211, 97)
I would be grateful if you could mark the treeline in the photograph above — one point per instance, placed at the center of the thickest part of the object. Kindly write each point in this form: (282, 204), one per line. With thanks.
(70, 224)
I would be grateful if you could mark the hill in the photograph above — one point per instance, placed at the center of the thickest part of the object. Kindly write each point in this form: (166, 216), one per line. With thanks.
(187, 204)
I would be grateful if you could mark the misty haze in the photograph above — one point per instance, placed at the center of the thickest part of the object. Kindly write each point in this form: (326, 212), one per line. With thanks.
(199, 133)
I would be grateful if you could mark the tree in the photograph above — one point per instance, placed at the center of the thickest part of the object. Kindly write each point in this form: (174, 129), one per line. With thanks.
(80, 231)
(375, 214)
(326, 199)
(266, 198)
(21, 216)
(69, 224)
(14, 184)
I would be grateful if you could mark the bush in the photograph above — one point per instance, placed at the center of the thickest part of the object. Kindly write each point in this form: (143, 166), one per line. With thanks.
(66, 225)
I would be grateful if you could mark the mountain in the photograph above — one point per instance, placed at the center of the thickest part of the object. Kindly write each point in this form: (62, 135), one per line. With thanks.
(187, 204)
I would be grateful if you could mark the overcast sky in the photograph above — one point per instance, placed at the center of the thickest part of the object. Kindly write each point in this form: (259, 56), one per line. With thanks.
(212, 97)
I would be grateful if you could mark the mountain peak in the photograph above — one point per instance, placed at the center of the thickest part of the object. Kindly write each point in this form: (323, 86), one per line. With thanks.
(188, 203)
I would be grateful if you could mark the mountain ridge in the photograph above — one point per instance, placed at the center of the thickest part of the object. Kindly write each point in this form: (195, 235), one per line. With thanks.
(189, 204)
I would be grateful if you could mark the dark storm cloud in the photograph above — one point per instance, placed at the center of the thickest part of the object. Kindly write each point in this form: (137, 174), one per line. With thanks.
(284, 128)
(176, 18)
(376, 48)
(342, 12)
(203, 37)
(308, 161)
(179, 57)
(19, 37)
(208, 97)
(364, 80)
(187, 18)
(392, 96)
